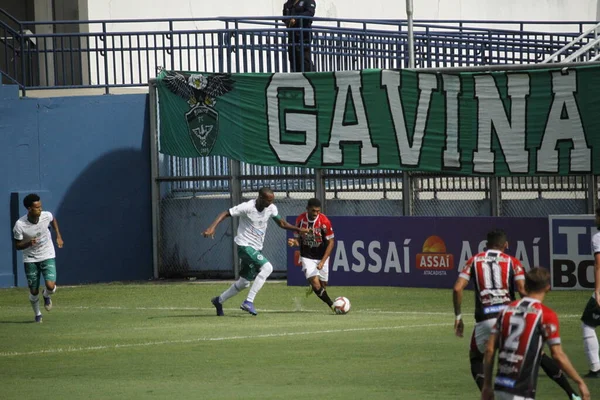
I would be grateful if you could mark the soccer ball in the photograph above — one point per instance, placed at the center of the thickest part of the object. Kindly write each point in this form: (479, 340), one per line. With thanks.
(342, 304)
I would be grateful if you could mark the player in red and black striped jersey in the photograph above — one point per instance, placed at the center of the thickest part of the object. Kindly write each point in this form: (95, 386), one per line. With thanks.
(495, 274)
(518, 335)
(315, 248)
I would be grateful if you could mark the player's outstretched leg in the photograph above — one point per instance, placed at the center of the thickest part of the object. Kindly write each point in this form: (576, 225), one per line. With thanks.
(591, 346)
(234, 289)
(589, 322)
(553, 371)
(476, 359)
(321, 292)
(258, 283)
(34, 299)
(218, 306)
(47, 293)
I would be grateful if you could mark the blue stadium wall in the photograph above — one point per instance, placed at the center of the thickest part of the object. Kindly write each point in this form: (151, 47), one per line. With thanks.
(89, 158)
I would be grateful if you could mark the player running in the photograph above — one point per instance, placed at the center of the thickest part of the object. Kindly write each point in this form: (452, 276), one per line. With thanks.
(590, 319)
(31, 234)
(315, 248)
(254, 216)
(493, 273)
(519, 335)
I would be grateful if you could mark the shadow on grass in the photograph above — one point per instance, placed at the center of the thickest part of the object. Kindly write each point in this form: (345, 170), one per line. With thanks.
(17, 322)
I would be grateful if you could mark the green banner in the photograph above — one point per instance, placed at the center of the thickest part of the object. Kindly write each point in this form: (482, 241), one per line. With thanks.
(527, 122)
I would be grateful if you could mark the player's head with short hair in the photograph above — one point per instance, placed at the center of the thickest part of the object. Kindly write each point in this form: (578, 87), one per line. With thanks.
(30, 199)
(265, 198)
(264, 191)
(313, 208)
(314, 202)
(33, 205)
(496, 240)
(537, 280)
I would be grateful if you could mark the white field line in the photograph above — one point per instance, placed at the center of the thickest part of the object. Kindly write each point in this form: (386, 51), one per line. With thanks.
(211, 339)
(306, 310)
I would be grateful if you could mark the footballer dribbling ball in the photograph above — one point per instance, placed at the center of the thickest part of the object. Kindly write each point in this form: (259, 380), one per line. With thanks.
(342, 304)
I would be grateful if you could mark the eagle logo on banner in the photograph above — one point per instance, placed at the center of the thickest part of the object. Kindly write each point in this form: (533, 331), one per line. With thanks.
(201, 92)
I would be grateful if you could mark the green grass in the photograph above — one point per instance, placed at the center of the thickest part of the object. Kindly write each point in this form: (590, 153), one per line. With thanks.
(163, 341)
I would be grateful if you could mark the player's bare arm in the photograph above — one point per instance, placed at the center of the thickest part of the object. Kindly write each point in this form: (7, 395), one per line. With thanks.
(326, 255)
(597, 276)
(457, 296)
(487, 391)
(289, 227)
(210, 232)
(292, 242)
(59, 239)
(24, 244)
(520, 285)
(565, 364)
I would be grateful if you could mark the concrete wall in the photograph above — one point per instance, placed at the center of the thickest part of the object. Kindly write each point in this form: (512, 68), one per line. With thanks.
(89, 159)
(511, 10)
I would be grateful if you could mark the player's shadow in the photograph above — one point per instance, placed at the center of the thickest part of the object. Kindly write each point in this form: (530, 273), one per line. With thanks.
(290, 312)
(183, 316)
(17, 322)
(105, 218)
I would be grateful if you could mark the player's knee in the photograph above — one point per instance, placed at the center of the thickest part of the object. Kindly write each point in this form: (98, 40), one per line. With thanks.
(266, 269)
(50, 287)
(34, 292)
(242, 284)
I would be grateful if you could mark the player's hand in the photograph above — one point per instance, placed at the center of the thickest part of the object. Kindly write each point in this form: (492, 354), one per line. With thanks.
(320, 266)
(459, 327)
(292, 242)
(304, 231)
(60, 242)
(210, 232)
(487, 393)
(33, 242)
(584, 392)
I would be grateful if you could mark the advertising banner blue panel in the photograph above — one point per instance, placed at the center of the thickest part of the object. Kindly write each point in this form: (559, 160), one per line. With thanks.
(571, 251)
(419, 251)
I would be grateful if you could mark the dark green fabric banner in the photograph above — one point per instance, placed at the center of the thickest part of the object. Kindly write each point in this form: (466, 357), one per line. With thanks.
(530, 122)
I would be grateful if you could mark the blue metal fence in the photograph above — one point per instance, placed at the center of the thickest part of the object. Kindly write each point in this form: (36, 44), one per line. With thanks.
(126, 53)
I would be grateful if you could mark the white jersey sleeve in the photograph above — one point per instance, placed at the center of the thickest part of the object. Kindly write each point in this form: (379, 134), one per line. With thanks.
(18, 231)
(274, 211)
(596, 243)
(241, 209)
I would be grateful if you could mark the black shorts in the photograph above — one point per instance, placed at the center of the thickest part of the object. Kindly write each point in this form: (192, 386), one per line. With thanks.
(591, 314)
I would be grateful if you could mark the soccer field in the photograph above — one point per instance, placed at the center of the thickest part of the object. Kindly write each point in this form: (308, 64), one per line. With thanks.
(163, 341)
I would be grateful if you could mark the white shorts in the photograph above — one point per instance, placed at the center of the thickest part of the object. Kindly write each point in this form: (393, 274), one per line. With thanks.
(498, 395)
(483, 330)
(309, 267)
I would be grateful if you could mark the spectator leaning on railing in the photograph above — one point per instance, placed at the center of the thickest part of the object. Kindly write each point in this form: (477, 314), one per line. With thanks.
(299, 41)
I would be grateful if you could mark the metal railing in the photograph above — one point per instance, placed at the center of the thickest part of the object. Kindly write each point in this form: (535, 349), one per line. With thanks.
(582, 48)
(125, 53)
